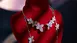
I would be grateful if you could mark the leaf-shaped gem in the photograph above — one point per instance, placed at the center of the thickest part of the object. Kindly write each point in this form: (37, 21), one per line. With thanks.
(53, 18)
(57, 26)
(49, 24)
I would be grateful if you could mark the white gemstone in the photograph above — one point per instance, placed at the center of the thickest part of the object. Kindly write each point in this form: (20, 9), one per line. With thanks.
(31, 39)
(30, 21)
(39, 26)
(51, 21)
(49, 24)
(57, 26)
(53, 18)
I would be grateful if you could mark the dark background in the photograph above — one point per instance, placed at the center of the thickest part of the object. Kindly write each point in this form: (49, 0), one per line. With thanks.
(69, 13)
(5, 29)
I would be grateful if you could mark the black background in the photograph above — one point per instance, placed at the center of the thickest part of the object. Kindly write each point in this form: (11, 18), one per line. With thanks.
(69, 13)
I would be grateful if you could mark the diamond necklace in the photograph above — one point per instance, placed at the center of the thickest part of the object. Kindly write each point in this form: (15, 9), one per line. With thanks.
(40, 26)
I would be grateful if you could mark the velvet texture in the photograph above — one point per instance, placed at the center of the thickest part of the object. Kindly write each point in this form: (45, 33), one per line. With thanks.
(40, 11)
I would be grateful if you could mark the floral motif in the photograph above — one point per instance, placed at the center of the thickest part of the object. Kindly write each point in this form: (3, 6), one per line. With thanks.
(49, 24)
(31, 39)
(34, 23)
(30, 21)
(39, 26)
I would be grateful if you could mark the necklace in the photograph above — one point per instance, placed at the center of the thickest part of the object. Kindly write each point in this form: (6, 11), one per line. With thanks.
(40, 26)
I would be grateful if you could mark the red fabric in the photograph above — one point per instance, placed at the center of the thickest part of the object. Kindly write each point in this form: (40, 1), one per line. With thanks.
(40, 11)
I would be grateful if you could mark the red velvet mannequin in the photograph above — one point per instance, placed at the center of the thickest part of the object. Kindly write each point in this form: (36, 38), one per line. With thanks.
(40, 11)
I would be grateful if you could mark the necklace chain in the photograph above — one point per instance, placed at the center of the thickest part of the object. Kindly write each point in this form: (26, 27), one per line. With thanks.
(30, 36)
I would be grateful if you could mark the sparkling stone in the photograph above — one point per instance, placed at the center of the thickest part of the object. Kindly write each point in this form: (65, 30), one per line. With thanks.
(57, 26)
(31, 39)
(49, 24)
(30, 21)
(53, 18)
(39, 26)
